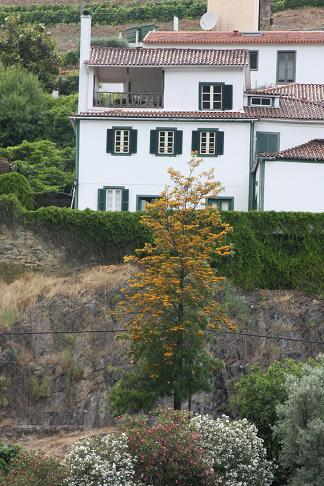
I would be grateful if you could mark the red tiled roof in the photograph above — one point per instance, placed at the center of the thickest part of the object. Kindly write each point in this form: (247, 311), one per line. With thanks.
(204, 115)
(107, 56)
(312, 150)
(235, 37)
(290, 109)
(298, 91)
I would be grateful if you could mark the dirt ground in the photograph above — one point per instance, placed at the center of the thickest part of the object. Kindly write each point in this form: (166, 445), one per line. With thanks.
(57, 445)
(67, 36)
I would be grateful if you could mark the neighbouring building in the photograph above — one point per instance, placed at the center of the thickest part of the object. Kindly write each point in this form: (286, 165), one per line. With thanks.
(276, 57)
(241, 15)
(142, 110)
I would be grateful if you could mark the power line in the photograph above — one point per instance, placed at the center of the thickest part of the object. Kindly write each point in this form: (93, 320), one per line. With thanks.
(113, 331)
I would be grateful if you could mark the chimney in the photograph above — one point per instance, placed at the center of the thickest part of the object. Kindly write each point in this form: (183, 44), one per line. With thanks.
(175, 23)
(85, 45)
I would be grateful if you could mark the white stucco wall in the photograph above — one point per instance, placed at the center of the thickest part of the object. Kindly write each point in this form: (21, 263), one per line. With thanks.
(292, 133)
(181, 86)
(146, 174)
(293, 186)
(309, 60)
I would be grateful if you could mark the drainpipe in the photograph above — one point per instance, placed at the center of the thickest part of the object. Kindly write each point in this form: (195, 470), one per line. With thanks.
(251, 171)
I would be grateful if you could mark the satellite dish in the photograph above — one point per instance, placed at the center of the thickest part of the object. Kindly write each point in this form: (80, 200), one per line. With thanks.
(208, 21)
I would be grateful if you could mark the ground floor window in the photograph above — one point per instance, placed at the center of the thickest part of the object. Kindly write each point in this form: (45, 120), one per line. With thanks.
(222, 203)
(143, 200)
(113, 199)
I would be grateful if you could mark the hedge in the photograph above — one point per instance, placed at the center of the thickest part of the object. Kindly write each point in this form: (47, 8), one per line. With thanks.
(106, 13)
(278, 5)
(271, 250)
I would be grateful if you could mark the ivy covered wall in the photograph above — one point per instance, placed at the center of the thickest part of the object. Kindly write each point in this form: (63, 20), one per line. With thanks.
(270, 250)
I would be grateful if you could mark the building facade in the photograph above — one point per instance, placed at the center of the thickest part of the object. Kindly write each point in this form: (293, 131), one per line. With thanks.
(142, 110)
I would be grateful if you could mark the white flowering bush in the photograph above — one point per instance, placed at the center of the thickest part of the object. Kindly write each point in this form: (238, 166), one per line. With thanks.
(101, 461)
(237, 453)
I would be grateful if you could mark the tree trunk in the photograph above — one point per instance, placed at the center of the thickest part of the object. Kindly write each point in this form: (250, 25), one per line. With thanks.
(176, 402)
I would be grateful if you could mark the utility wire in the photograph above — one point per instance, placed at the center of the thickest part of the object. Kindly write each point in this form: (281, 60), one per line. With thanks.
(113, 331)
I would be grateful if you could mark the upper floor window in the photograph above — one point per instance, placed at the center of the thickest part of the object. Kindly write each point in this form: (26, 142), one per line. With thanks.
(121, 141)
(254, 60)
(166, 141)
(215, 96)
(208, 142)
(113, 199)
(286, 67)
(267, 142)
(260, 101)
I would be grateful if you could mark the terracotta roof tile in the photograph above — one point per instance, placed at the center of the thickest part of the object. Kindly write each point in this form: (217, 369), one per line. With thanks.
(298, 91)
(201, 115)
(290, 109)
(312, 150)
(235, 37)
(106, 56)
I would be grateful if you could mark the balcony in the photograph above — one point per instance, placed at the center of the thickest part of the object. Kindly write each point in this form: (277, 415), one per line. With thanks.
(110, 99)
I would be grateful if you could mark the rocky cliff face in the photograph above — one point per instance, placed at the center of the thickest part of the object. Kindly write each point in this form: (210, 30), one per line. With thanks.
(64, 379)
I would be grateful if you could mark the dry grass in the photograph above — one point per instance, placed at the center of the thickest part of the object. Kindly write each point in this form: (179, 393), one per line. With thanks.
(58, 445)
(17, 296)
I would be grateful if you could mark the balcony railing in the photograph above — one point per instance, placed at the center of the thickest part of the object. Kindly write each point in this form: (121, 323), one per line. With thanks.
(127, 100)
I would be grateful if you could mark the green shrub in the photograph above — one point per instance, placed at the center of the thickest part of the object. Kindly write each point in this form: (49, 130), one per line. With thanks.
(17, 185)
(236, 452)
(300, 427)
(109, 42)
(46, 166)
(68, 85)
(167, 451)
(7, 454)
(278, 5)
(70, 58)
(33, 469)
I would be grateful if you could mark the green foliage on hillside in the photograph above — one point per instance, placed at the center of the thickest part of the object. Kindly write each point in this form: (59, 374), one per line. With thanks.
(46, 166)
(56, 124)
(106, 12)
(31, 47)
(23, 103)
(18, 186)
(278, 5)
(272, 250)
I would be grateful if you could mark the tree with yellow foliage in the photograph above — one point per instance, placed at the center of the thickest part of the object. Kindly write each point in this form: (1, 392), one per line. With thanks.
(170, 305)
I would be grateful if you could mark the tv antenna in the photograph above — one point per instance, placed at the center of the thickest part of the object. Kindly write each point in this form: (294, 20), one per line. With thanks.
(208, 21)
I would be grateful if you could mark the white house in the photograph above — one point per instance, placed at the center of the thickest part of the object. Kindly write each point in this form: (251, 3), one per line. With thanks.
(142, 110)
(276, 57)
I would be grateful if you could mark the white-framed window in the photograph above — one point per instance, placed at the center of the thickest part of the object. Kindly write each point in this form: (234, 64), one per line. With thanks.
(211, 96)
(121, 142)
(114, 199)
(261, 101)
(166, 140)
(207, 143)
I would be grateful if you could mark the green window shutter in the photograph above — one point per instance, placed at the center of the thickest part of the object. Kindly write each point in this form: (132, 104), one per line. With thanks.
(219, 143)
(154, 142)
(227, 93)
(110, 141)
(195, 142)
(125, 199)
(267, 142)
(102, 199)
(133, 141)
(178, 136)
